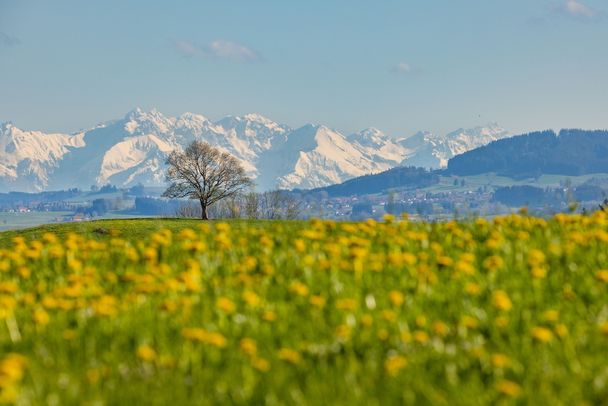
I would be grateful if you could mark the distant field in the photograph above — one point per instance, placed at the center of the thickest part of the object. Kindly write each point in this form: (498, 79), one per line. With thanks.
(12, 221)
(132, 228)
(9, 221)
(167, 311)
(446, 183)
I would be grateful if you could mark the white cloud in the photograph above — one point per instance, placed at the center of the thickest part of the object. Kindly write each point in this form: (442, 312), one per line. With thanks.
(578, 9)
(232, 50)
(188, 49)
(402, 68)
(220, 49)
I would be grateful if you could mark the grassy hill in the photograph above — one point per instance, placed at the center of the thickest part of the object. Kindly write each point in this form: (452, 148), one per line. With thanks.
(133, 229)
(167, 311)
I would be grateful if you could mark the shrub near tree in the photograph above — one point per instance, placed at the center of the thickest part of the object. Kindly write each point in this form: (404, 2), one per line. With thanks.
(204, 173)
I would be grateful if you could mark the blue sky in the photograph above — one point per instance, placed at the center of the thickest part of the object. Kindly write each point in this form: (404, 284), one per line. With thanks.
(401, 66)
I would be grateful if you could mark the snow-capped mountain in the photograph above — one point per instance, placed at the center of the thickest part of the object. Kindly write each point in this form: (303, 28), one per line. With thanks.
(380, 146)
(433, 151)
(27, 158)
(315, 156)
(133, 149)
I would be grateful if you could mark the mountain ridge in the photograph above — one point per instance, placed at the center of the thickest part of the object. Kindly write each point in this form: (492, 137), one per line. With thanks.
(132, 150)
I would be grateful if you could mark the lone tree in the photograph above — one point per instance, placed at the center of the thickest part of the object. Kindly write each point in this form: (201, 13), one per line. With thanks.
(204, 173)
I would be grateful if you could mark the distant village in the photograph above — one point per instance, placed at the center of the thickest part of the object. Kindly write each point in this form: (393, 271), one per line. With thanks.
(75, 205)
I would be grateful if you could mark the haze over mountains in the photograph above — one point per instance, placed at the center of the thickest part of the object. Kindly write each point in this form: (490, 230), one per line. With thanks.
(132, 150)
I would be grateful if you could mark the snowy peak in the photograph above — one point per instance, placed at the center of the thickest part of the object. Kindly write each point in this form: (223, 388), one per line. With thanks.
(134, 153)
(191, 121)
(380, 146)
(315, 155)
(306, 138)
(252, 125)
(462, 140)
(370, 137)
(27, 157)
(139, 122)
(434, 151)
(489, 133)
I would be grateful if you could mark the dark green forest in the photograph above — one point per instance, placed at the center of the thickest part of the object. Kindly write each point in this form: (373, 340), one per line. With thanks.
(571, 152)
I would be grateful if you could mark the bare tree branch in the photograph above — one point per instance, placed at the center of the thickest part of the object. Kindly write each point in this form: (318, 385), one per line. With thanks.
(206, 174)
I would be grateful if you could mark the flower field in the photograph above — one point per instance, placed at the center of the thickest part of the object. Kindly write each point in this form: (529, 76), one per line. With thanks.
(513, 309)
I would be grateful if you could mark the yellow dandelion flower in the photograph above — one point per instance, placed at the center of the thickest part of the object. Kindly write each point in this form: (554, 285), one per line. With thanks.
(41, 317)
(444, 261)
(343, 331)
(509, 388)
(420, 321)
(346, 304)
(389, 315)
(501, 300)
(248, 346)
(367, 320)
(542, 334)
(440, 328)
(225, 305)
(289, 355)
(394, 364)
(298, 288)
(465, 267)
(493, 262)
(538, 272)
(251, 298)
(260, 364)
(299, 245)
(469, 322)
(269, 316)
(146, 353)
(472, 288)
(8, 287)
(500, 360)
(397, 298)
(604, 328)
(561, 330)
(536, 258)
(420, 336)
(216, 340)
(194, 334)
(406, 336)
(602, 275)
(317, 301)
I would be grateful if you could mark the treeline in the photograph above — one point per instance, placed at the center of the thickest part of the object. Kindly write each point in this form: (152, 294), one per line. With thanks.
(56, 200)
(101, 206)
(422, 207)
(572, 152)
(525, 195)
(530, 196)
(402, 177)
(272, 205)
(26, 198)
(150, 206)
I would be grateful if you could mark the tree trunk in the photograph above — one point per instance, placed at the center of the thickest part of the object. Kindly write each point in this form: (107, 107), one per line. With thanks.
(204, 215)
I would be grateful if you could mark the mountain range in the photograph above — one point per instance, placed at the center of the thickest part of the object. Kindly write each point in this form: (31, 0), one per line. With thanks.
(133, 149)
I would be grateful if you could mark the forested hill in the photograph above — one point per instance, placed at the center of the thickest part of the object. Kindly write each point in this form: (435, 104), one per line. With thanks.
(572, 152)
(403, 177)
